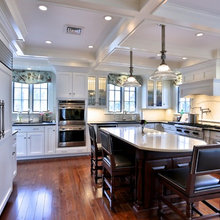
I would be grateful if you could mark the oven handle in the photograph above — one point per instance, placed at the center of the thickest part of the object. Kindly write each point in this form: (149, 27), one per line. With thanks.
(70, 107)
(72, 129)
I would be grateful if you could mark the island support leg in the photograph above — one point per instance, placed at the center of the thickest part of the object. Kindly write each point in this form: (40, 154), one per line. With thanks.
(139, 174)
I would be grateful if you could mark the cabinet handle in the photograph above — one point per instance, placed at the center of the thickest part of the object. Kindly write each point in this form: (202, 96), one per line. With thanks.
(69, 93)
(13, 153)
(25, 138)
(159, 168)
(29, 137)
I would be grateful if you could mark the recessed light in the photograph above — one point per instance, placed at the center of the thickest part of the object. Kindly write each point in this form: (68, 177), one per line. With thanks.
(184, 58)
(108, 18)
(42, 7)
(200, 34)
(48, 42)
(90, 46)
(28, 68)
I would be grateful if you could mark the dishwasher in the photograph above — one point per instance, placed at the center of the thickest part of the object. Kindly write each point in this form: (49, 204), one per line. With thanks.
(104, 125)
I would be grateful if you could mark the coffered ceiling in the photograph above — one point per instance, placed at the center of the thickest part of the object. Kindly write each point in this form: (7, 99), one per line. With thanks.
(135, 25)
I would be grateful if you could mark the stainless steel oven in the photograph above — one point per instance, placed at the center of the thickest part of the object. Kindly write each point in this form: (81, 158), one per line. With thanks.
(72, 136)
(72, 130)
(71, 111)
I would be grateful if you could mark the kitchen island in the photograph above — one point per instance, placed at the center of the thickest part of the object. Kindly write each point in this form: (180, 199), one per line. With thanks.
(153, 151)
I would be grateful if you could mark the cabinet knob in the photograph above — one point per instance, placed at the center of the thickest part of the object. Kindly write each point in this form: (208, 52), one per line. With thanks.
(69, 93)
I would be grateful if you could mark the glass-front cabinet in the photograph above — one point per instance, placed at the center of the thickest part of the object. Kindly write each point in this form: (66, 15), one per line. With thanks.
(155, 94)
(97, 91)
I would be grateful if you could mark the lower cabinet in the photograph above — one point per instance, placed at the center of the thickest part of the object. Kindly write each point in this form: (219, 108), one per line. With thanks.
(35, 140)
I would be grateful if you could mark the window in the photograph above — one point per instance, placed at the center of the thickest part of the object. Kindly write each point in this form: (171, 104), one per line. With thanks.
(129, 99)
(21, 97)
(183, 104)
(40, 97)
(30, 96)
(114, 98)
(121, 99)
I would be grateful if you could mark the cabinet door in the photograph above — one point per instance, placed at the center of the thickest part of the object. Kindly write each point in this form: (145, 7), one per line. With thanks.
(166, 99)
(50, 139)
(150, 91)
(21, 143)
(102, 91)
(5, 172)
(79, 86)
(35, 143)
(13, 156)
(91, 91)
(64, 85)
(158, 93)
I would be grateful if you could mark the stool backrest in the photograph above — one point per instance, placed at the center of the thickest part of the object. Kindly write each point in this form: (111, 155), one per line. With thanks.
(106, 142)
(205, 161)
(92, 135)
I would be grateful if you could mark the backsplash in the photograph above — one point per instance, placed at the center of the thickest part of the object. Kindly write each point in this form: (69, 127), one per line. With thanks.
(158, 114)
(204, 101)
(100, 114)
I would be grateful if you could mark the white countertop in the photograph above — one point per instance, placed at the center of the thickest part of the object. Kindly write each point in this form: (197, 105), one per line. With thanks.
(153, 140)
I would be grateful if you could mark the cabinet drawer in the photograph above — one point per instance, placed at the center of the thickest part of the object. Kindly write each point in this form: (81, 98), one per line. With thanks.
(181, 162)
(215, 135)
(28, 128)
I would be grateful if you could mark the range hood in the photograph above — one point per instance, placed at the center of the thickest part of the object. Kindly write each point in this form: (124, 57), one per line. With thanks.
(210, 87)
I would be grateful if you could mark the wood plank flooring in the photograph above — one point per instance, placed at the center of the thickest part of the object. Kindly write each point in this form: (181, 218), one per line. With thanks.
(63, 189)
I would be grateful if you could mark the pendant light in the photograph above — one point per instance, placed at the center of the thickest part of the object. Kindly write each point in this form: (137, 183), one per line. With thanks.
(131, 81)
(163, 71)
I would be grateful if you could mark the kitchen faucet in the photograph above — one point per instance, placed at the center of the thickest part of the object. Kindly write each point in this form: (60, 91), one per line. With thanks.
(202, 110)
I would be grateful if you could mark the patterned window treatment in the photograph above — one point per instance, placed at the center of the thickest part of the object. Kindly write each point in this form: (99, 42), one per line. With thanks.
(119, 79)
(31, 77)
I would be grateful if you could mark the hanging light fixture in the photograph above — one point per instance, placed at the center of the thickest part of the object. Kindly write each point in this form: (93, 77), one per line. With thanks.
(131, 81)
(163, 71)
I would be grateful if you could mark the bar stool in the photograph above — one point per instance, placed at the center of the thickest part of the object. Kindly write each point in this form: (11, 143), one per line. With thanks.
(193, 184)
(115, 165)
(96, 154)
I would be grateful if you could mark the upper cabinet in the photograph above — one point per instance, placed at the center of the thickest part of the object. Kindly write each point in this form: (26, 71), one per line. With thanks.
(156, 94)
(71, 85)
(97, 91)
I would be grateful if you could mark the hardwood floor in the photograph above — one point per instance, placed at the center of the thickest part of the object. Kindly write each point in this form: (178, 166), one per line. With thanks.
(63, 189)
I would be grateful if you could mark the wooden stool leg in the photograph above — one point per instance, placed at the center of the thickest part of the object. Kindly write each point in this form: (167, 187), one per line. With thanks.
(189, 211)
(96, 169)
(160, 194)
(91, 163)
(112, 191)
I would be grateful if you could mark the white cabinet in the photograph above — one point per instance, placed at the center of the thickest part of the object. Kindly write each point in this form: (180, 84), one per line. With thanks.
(169, 128)
(71, 85)
(13, 156)
(30, 140)
(156, 94)
(35, 143)
(50, 139)
(97, 87)
(21, 143)
(5, 172)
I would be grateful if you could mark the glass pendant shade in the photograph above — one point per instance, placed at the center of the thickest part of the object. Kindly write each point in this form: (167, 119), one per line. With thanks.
(163, 71)
(131, 81)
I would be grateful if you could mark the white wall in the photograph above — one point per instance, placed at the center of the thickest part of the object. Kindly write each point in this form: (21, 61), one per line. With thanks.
(204, 101)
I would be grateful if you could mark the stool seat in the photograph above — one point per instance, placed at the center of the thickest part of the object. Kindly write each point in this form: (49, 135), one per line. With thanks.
(179, 177)
(120, 161)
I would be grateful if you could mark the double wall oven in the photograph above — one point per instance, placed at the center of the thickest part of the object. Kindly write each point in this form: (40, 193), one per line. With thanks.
(72, 130)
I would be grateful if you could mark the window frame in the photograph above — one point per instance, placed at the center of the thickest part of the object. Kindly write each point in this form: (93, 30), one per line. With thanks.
(30, 98)
(121, 107)
(185, 101)
(122, 102)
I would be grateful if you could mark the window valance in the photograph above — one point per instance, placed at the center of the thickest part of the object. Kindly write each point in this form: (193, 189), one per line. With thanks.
(119, 79)
(31, 77)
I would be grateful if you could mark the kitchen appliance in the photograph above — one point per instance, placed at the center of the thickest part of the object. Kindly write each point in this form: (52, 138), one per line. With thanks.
(72, 136)
(190, 131)
(2, 121)
(72, 130)
(71, 112)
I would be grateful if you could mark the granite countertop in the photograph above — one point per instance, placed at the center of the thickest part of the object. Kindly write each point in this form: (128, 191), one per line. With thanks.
(34, 124)
(152, 140)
